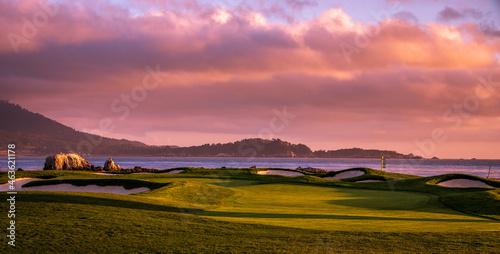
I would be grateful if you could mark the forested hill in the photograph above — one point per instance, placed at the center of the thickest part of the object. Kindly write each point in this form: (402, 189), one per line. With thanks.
(35, 134)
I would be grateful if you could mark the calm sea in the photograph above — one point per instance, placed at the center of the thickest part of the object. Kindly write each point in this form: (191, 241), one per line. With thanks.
(414, 167)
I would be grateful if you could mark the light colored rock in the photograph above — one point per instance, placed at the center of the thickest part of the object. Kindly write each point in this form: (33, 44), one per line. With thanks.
(70, 161)
(109, 165)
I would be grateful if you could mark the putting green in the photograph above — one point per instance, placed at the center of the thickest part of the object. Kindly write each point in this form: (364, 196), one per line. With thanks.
(345, 209)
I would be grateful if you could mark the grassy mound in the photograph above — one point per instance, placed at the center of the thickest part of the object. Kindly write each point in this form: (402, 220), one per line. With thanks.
(484, 203)
(191, 194)
(370, 174)
(443, 178)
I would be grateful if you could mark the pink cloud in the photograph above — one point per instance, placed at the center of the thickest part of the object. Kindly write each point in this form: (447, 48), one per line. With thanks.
(225, 74)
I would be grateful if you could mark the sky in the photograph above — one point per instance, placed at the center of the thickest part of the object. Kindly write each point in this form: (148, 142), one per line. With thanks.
(417, 77)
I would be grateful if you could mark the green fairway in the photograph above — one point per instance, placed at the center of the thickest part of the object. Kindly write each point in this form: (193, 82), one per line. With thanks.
(330, 208)
(238, 211)
(52, 222)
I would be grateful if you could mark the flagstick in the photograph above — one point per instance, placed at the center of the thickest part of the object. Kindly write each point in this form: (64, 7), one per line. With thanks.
(382, 166)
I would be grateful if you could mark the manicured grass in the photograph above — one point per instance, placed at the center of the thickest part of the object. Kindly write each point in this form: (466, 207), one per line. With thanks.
(51, 222)
(191, 194)
(239, 211)
(333, 208)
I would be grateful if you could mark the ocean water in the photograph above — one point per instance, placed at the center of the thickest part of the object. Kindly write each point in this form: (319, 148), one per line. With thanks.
(414, 167)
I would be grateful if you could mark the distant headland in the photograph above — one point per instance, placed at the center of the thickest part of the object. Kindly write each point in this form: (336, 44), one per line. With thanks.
(37, 135)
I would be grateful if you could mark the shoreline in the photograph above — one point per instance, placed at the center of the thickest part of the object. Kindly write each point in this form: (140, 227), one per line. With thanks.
(267, 157)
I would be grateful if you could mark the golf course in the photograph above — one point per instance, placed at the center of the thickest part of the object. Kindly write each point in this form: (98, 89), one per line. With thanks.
(186, 210)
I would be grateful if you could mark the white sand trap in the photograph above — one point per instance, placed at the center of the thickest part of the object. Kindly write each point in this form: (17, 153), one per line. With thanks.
(69, 187)
(465, 183)
(108, 174)
(177, 171)
(347, 174)
(87, 188)
(280, 172)
(369, 181)
(17, 184)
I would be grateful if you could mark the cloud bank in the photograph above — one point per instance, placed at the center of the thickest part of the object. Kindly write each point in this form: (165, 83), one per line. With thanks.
(223, 70)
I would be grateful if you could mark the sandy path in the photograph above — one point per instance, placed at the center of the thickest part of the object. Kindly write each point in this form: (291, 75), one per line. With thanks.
(464, 183)
(280, 172)
(347, 174)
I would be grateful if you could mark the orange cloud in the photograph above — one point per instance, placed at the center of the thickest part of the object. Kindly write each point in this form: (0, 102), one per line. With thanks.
(225, 70)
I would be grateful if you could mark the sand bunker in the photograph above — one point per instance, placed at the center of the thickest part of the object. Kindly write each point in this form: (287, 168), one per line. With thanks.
(368, 181)
(177, 171)
(347, 174)
(108, 174)
(70, 187)
(280, 172)
(465, 183)
(87, 188)
(17, 184)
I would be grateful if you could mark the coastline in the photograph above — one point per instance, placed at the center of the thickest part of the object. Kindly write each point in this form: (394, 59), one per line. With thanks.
(422, 167)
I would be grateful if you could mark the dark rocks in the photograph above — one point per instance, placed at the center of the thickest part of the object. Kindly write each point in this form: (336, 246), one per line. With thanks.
(313, 170)
(139, 169)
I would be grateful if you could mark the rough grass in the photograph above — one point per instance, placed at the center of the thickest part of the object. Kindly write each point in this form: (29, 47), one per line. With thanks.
(178, 217)
(51, 222)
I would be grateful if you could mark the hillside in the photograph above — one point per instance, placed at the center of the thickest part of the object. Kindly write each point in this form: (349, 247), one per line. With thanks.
(35, 134)
(361, 153)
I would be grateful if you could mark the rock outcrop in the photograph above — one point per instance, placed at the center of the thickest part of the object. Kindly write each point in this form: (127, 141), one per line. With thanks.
(68, 161)
(109, 165)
